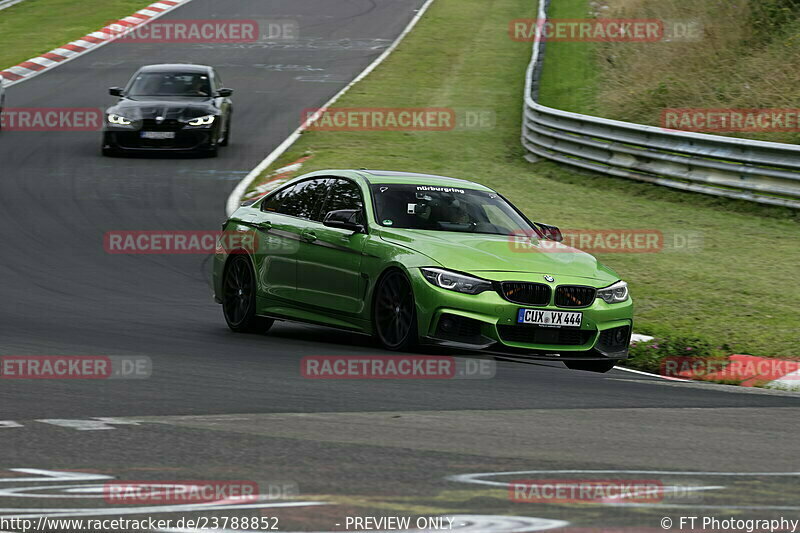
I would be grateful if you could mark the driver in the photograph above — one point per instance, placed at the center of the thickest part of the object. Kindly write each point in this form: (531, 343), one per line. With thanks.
(199, 84)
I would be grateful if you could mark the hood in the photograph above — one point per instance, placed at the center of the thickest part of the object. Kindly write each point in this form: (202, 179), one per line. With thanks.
(482, 254)
(141, 108)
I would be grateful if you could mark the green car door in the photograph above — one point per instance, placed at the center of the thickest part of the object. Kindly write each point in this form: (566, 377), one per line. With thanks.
(284, 216)
(329, 259)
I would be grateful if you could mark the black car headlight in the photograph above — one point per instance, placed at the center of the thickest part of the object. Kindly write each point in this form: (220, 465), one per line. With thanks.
(119, 120)
(454, 281)
(615, 293)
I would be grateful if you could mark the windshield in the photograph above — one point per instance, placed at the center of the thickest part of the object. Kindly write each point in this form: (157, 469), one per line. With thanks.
(445, 209)
(170, 84)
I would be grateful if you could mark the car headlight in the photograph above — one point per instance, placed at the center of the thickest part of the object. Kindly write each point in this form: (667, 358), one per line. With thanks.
(615, 293)
(202, 121)
(454, 281)
(119, 120)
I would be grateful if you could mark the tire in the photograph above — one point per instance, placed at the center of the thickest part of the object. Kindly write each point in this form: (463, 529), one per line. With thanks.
(107, 147)
(591, 366)
(212, 151)
(394, 312)
(239, 297)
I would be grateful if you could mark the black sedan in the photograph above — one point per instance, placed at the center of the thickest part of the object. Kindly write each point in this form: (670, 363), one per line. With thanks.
(169, 108)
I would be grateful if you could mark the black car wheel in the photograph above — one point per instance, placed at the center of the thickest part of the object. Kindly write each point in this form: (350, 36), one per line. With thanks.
(239, 298)
(591, 366)
(395, 312)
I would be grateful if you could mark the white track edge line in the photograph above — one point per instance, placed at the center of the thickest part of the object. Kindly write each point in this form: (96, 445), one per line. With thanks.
(236, 195)
(667, 378)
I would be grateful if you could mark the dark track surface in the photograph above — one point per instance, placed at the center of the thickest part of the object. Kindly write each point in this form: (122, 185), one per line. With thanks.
(62, 294)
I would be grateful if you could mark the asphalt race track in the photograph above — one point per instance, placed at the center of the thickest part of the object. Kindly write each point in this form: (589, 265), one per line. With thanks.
(227, 406)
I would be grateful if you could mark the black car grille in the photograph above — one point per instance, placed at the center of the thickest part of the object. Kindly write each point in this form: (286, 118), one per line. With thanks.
(539, 335)
(184, 140)
(575, 296)
(151, 124)
(526, 293)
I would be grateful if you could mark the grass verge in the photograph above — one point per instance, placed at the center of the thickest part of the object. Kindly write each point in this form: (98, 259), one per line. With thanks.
(736, 291)
(569, 72)
(34, 27)
(713, 55)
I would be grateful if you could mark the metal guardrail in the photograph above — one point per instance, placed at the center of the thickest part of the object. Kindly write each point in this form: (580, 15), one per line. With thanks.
(758, 171)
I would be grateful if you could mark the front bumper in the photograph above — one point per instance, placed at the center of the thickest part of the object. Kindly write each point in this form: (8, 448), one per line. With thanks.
(488, 320)
(185, 140)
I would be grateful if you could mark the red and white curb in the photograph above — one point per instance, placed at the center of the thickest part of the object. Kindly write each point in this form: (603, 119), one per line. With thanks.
(749, 370)
(36, 65)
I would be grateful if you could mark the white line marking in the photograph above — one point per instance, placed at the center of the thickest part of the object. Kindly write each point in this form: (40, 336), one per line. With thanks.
(214, 506)
(475, 479)
(52, 475)
(667, 378)
(101, 423)
(8, 3)
(235, 197)
(636, 337)
(790, 381)
(9, 424)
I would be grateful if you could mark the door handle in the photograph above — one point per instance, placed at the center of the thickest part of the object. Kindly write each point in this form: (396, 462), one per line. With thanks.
(266, 226)
(309, 236)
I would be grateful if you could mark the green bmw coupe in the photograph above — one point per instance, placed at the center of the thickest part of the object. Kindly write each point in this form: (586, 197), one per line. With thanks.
(414, 258)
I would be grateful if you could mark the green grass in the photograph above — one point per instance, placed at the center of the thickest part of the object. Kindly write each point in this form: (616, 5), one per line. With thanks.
(740, 290)
(34, 27)
(742, 54)
(569, 73)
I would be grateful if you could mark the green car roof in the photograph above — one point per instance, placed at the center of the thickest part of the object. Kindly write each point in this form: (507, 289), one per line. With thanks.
(412, 178)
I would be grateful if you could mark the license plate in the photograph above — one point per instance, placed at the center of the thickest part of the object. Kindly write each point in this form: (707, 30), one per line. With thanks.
(553, 319)
(158, 135)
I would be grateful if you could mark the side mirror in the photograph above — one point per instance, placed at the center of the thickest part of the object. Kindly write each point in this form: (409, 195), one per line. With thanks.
(550, 232)
(115, 91)
(224, 93)
(344, 219)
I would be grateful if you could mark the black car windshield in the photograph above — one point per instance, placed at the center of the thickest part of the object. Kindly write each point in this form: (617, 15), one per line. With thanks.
(428, 207)
(170, 84)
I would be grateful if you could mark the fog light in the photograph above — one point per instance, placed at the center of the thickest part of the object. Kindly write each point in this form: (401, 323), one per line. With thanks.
(447, 324)
(619, 336)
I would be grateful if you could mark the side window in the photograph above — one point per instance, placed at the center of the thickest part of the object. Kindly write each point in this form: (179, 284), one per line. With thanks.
(217, 82)
(344, 194)
(274, 201)
(304, 198)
